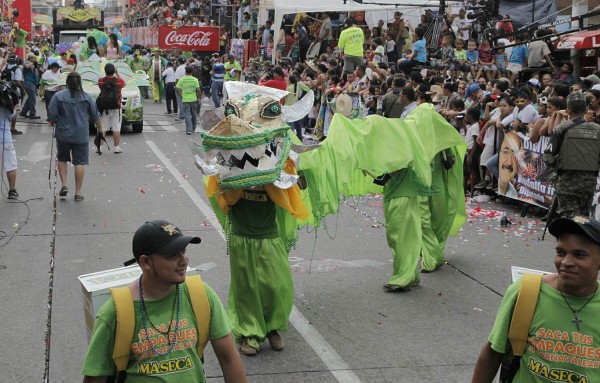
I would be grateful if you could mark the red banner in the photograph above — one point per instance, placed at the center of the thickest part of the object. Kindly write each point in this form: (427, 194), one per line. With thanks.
(24, 19)
(189, 38)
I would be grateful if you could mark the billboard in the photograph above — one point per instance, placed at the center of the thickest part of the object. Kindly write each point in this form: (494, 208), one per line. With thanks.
(189, 38)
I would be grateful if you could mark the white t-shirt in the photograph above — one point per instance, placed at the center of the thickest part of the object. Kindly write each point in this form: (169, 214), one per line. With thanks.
(472, 130)
(527, 115)
(17, 75)
(379, 54)
(180, 72)
(169, 75)
(459, 23)
(488, 138)
(508, 50)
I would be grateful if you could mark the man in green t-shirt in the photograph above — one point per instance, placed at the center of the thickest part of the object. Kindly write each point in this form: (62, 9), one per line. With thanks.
(20, 37)
(351, 42)
(163, 347)
(189, 90)
(563, 343)
(233, 69)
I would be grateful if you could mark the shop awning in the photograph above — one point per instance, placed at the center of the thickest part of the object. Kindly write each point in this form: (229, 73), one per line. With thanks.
(580, 40)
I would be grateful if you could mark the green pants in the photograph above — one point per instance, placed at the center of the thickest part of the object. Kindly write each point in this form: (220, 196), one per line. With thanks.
(432, 251)
(403, 223)
(443, 213)
(261, 293)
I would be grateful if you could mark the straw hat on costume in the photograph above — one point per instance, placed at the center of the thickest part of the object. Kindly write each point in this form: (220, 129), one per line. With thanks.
(261, 111)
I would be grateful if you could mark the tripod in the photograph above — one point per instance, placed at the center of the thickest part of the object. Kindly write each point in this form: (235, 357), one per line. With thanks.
(434, 31)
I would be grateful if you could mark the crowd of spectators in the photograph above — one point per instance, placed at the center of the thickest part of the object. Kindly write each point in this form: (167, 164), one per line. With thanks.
(482, 87)
(177, 13)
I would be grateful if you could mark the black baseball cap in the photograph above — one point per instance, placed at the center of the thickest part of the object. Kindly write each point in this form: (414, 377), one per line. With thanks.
(576, 225)
(159, 237)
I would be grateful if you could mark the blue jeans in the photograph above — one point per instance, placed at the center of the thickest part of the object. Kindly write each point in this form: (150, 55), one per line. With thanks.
(215, 88)
(492, 165)
(181, 115)
(31, 99)
(189, 114)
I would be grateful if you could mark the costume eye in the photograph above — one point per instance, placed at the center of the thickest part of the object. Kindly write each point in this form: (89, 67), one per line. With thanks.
(271, 110)
(231, 108)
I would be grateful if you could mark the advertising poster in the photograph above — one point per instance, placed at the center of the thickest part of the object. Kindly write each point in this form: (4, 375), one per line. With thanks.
(523, 174)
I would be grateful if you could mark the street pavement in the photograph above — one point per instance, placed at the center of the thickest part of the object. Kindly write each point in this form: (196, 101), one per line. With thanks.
(344, 327)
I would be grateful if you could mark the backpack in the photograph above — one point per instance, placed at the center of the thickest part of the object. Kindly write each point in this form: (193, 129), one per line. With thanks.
(519, 325)
(125, 318)
(9, 95)
(109, 95)
(8, 73)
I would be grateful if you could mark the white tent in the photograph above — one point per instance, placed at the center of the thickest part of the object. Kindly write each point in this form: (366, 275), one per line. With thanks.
(285, 7)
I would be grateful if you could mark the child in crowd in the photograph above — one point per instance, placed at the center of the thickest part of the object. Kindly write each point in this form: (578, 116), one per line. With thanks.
(446, 52)
(566, 73)
(501, 59)
(473, 58)
(471, 122)
(378, 51)
(269, 47)
(390, 48)
(459, 65)
(486, 61)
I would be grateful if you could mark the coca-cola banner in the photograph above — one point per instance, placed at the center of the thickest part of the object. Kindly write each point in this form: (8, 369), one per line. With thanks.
(144, 36)
(189, 38)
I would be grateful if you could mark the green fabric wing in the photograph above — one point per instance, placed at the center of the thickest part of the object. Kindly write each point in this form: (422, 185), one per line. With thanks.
(355, 151)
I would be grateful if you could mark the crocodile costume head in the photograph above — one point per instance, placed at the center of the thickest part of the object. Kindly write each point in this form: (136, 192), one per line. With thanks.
(250, 146)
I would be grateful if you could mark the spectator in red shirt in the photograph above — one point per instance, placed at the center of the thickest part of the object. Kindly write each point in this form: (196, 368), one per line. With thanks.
(289, 44)
(506, 26)
(277, 82)
(112, 118)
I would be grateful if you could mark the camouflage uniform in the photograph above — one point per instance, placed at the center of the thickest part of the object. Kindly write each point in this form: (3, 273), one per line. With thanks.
(574, 188)
(575, 192)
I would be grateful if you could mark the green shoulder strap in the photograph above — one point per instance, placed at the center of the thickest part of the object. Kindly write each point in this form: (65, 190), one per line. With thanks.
(523, 312)
(125, 326)
(201, 307)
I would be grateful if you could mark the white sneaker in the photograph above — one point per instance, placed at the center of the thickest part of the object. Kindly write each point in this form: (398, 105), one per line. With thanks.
(117, 149)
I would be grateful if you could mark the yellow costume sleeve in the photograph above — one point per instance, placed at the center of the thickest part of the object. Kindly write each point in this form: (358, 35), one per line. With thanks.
(288, 199)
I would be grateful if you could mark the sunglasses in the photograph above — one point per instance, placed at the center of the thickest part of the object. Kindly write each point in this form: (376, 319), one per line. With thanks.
(520, 102)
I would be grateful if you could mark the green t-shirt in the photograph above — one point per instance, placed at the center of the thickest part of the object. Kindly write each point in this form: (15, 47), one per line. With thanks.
(21, 38)
(180, 365)
(228, 67)
(253, 216)
(352, 41)
(402, 184)
(460, 55)
(136, 65)
(556, 351)
(188, 86)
